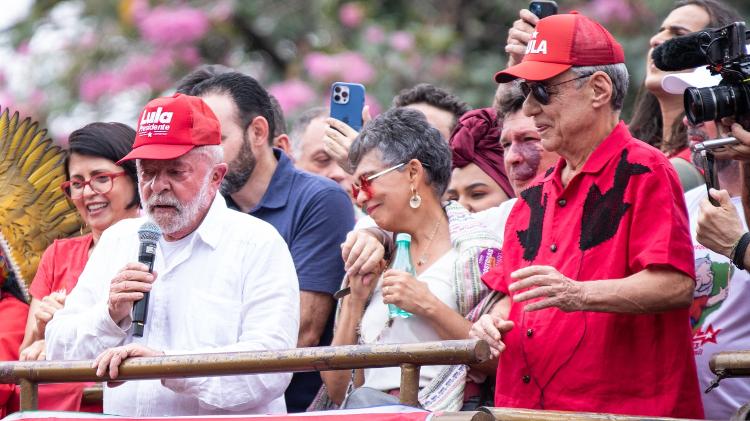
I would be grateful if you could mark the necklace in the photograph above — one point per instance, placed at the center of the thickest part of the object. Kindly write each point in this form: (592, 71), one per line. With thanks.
(423, 258)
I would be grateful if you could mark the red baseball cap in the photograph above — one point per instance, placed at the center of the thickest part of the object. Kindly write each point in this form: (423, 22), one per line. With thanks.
(171, 126)
(561, 42)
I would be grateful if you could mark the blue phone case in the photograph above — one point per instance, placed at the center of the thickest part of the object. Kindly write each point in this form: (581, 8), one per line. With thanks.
(347, 101)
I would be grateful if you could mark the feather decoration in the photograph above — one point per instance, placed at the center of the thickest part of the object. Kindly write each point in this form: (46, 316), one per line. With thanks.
(33, 209)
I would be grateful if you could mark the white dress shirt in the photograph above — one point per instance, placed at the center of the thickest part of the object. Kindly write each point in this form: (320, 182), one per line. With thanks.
(231, 286)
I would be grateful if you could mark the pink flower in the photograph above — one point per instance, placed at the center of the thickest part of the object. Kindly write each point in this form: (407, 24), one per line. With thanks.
(189, 56)
(93, 86)
(374, 105)
(292, 94)
(374, 34)
(165, 26)
(37, 98)
(321, 67)
(23, 48)
(87, 41)
(6, 101)
(354, 68)
(607, 11)
(402, 41)
(351, 15)
(147, 69)
(136, 10)
(348, 66)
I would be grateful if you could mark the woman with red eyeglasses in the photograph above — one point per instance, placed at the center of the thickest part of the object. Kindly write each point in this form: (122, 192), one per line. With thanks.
(103, 193)
(402, 167)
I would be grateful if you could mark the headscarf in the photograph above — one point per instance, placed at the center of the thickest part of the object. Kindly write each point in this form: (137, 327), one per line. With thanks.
(476, 140)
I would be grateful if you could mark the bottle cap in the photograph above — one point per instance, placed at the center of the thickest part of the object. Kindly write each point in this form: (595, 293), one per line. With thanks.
(402, 236)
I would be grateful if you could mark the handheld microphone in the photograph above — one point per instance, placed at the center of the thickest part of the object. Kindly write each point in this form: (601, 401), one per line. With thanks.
(680, 53)
(149, 234)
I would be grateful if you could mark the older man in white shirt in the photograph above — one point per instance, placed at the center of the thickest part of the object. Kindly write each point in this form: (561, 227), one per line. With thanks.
(223, 281)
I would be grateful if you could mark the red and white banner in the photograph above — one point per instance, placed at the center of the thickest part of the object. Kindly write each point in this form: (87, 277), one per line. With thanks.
(383, 413)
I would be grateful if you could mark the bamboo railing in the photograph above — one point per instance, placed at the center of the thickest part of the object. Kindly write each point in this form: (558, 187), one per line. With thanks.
(410, 357)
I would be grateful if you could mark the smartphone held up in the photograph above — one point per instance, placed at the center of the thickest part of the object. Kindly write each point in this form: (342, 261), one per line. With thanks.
(543, 8)
(347, 101)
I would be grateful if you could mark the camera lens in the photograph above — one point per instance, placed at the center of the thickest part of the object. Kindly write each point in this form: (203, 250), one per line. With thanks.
(700, 104)
(716, 102)
(337, 89)
(345, 94)
(337, 98)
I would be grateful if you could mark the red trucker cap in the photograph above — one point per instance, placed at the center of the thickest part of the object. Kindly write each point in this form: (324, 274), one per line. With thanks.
(171, 126)
(561, 42)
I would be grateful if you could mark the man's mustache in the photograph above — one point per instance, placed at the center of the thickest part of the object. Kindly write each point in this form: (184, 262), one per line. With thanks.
(163, 201)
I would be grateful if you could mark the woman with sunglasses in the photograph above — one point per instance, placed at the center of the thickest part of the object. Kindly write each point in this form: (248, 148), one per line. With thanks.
(103, 193)
(402, 167)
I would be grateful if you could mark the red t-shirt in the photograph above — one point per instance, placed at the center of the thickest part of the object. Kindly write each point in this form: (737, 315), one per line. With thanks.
(60, 266)
(13, 314)
(623, 213)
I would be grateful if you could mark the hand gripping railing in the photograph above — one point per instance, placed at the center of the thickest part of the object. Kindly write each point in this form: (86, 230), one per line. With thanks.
(410, 357)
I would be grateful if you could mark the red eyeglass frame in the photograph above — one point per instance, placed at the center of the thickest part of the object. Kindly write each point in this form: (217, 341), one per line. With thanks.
(364, 181)
(65, 185)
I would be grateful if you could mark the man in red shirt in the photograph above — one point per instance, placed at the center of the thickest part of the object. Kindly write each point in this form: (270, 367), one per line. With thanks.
(597, 260)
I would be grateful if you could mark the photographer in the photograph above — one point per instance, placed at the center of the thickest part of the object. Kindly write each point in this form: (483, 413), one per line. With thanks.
(722, 289)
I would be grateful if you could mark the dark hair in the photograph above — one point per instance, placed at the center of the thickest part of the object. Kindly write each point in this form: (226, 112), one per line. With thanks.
(509, 99)
(12, 287)
(279, 122)
(435, 96)
(403, 134)
(248, 95)
(111, 141)
(647, 123)
(719, 13)
(204, 72)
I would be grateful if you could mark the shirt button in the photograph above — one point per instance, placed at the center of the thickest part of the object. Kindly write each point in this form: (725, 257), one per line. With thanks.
(530, 333)
(553, 248)
(526, 379)
(562, 202)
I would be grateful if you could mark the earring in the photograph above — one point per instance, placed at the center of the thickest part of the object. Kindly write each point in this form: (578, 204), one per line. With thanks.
(416, 199)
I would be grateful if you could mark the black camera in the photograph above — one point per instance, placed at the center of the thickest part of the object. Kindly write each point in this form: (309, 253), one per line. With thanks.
(723, 50)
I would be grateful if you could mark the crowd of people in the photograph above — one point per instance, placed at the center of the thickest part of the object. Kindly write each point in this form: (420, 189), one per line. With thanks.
(582, 248)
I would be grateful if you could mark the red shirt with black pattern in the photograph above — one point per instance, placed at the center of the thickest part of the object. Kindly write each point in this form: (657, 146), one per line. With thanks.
(623, 213)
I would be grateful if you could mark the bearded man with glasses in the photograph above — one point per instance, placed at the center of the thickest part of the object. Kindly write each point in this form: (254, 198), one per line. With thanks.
(597, 255)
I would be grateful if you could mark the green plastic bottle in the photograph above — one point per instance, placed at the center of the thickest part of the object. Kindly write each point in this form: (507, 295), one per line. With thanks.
(402, 261)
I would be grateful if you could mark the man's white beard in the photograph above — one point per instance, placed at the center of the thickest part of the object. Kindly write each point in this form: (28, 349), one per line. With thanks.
(186, 214)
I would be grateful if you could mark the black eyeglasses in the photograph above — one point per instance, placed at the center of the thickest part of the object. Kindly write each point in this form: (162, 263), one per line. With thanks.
(541, 91)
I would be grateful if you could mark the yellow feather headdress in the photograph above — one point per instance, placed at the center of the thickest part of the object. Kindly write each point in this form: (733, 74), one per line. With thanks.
(33, 209)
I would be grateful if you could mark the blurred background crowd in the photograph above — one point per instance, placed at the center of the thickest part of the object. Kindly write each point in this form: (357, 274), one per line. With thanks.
(66, 63)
